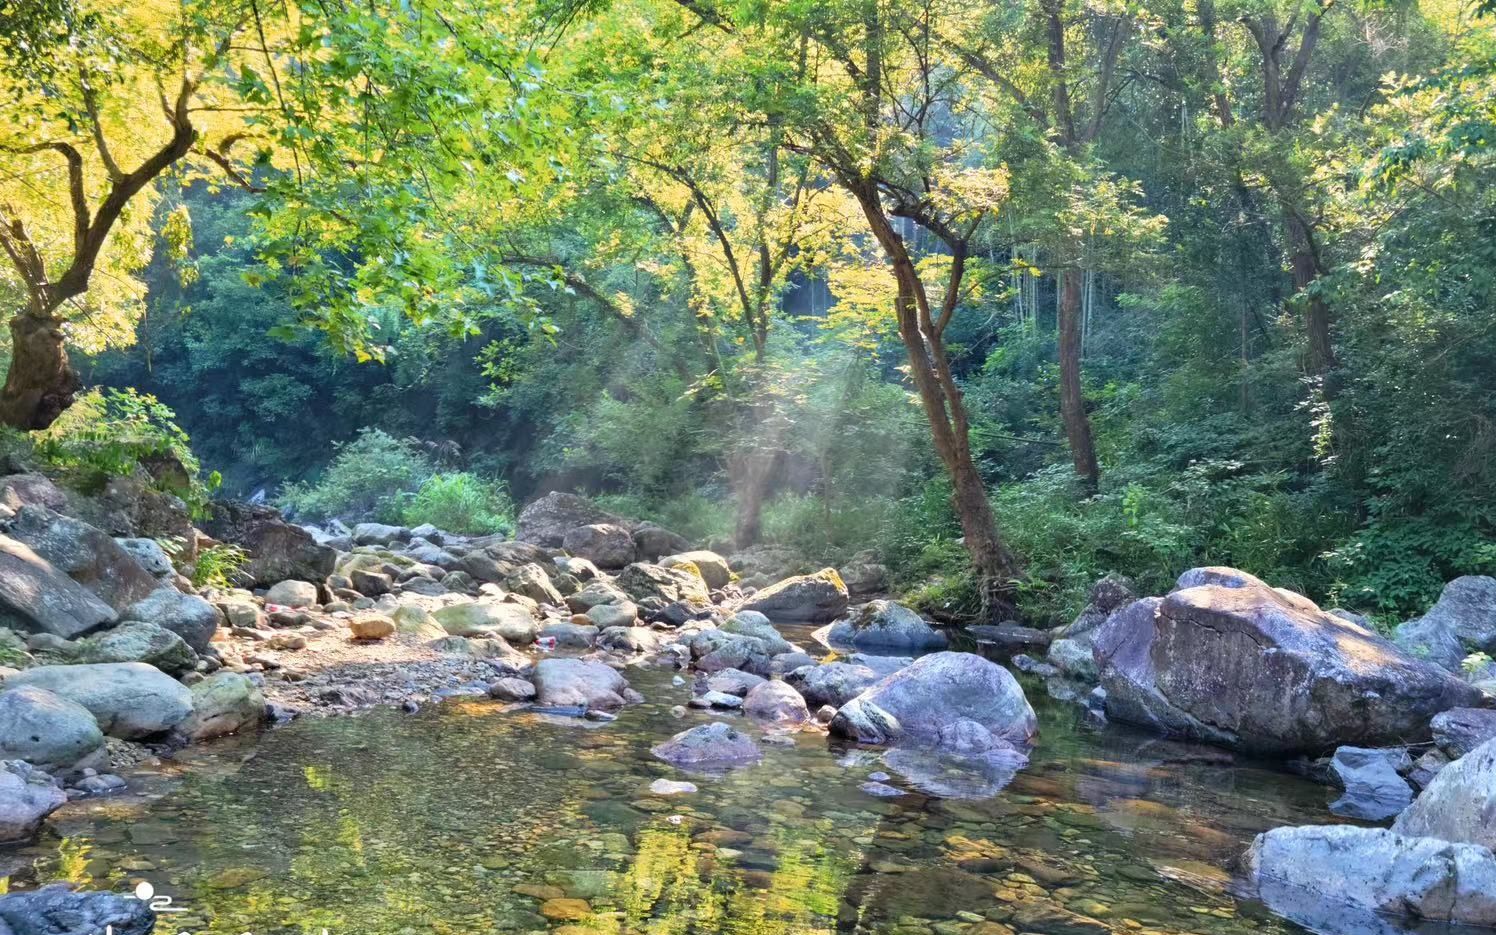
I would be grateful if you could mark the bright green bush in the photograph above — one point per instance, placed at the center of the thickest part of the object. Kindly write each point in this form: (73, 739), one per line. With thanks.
(364, 480)
(460, 502)
(218, 566)
(699, 517)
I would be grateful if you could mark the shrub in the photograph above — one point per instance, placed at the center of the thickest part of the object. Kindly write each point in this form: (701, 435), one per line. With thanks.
(460, 502)
(697, 516)
(365, 479)
(219, 566)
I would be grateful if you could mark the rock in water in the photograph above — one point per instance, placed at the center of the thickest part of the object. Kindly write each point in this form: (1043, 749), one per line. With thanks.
(935, 695)
(37, 598)
(1311, 874)
(578, 683)
(546, 521)
(775, 702)
(1461, 622)
(1373, 783)
(812, 598)
(27, 797)
(224, 703)
(1244, 665)
(606, 545)
(1459, 804)
(130, 700)
(709, 747)
(1460, 730)
(833, 683)
(48, 731)
(58, 910)
(884, 625)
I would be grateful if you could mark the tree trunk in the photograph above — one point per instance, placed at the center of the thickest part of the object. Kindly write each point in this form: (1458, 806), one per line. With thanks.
(1072, 398)
(41, 382)
(1306, 270)
(751, 472)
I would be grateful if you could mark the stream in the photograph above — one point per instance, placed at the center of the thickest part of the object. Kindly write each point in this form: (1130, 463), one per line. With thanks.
(466, 818)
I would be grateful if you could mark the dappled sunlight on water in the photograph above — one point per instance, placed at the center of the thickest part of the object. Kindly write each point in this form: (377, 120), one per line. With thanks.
(466, 818)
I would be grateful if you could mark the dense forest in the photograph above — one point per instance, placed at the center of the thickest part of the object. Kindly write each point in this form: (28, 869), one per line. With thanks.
(1014, 294)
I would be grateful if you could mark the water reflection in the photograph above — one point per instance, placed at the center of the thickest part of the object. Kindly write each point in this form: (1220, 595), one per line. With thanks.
(466, 819)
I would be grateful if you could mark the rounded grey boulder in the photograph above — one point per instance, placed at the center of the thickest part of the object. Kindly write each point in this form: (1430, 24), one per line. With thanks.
(1459, 804)
(58, 910)
(27, 797)
(883, 625)
(48, 731)
(130, 700)
(936, 700)
(578, 683)
(709, 747)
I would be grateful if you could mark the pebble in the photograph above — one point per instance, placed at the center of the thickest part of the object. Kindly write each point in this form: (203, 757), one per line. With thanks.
(671, 787)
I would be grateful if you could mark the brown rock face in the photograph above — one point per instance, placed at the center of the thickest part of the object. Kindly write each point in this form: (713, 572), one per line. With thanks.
(1235, 662)
(278, 550)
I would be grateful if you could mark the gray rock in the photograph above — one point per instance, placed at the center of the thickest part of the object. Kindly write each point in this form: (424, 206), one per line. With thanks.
(512, 689)
(578, 568)
(136, 641)
(370, 583)
(884, 625)
(716, 650)
(37, 598)
(776, 703)
(510, 621)
(879, 663)
(1310, 874)
(716, 699)
(606, 545)
(1459, 804)
(642, 581)
(84, 553)
(578, 683)
(379, 534)
(58, 910)
(1461, 622)
(1248, 666)
(1426, 767)
(613, 615)
(49, 731)
(150, 555)
(427, 553)
(596, 594)
(734, 682)
(745, 624)
(1373, 782)
(27, 797)
(292, 594)
(530, 580)
(935, 694)
(1075, 658)
(712, 746)
(1460, 730)
(278, 550)
(191, 617)
(813, 598)
(832, 683)
(785, 663)
(22, 490)
(712, 567)
(653, 541)
(546, 521)
(629, 639)
(130, 700)
(570, 635)
(223, 703)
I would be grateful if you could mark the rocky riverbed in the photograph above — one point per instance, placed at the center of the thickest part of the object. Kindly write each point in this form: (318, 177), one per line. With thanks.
(710, 668)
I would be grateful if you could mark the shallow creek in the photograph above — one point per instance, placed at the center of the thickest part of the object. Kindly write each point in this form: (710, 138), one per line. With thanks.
(465, 818)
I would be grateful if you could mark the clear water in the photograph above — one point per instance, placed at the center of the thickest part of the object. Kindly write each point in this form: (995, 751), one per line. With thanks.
(465, 818)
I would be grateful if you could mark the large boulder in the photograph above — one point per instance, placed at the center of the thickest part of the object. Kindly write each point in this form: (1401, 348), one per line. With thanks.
(606, 545)
(1460, 730)
(642, 580)
(223, 703)
(651, 542)
(49, 731)
(547, 520)
(1373, 782)
(292, 594)
(1314, 874)
(187, 615)
(1459, 804)
(712, 567)
(883, 625)
(935, 696)
(1241, 664)
(37, 598)
(714, 746)
(278, 551)
(531, 581)
(379, 534)
(748, 623)
(27, 797)
(1463, 621)
(477, 618)
(832, 683)
(84, 553)
(578, 683)
(813, 598)
(149, 554)
(137, 641)
(23, 490)
(130, 700)
(59, 910)
(776, 703)
(596, 594)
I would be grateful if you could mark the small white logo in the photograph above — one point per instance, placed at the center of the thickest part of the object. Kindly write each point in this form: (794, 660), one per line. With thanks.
(146, 893)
